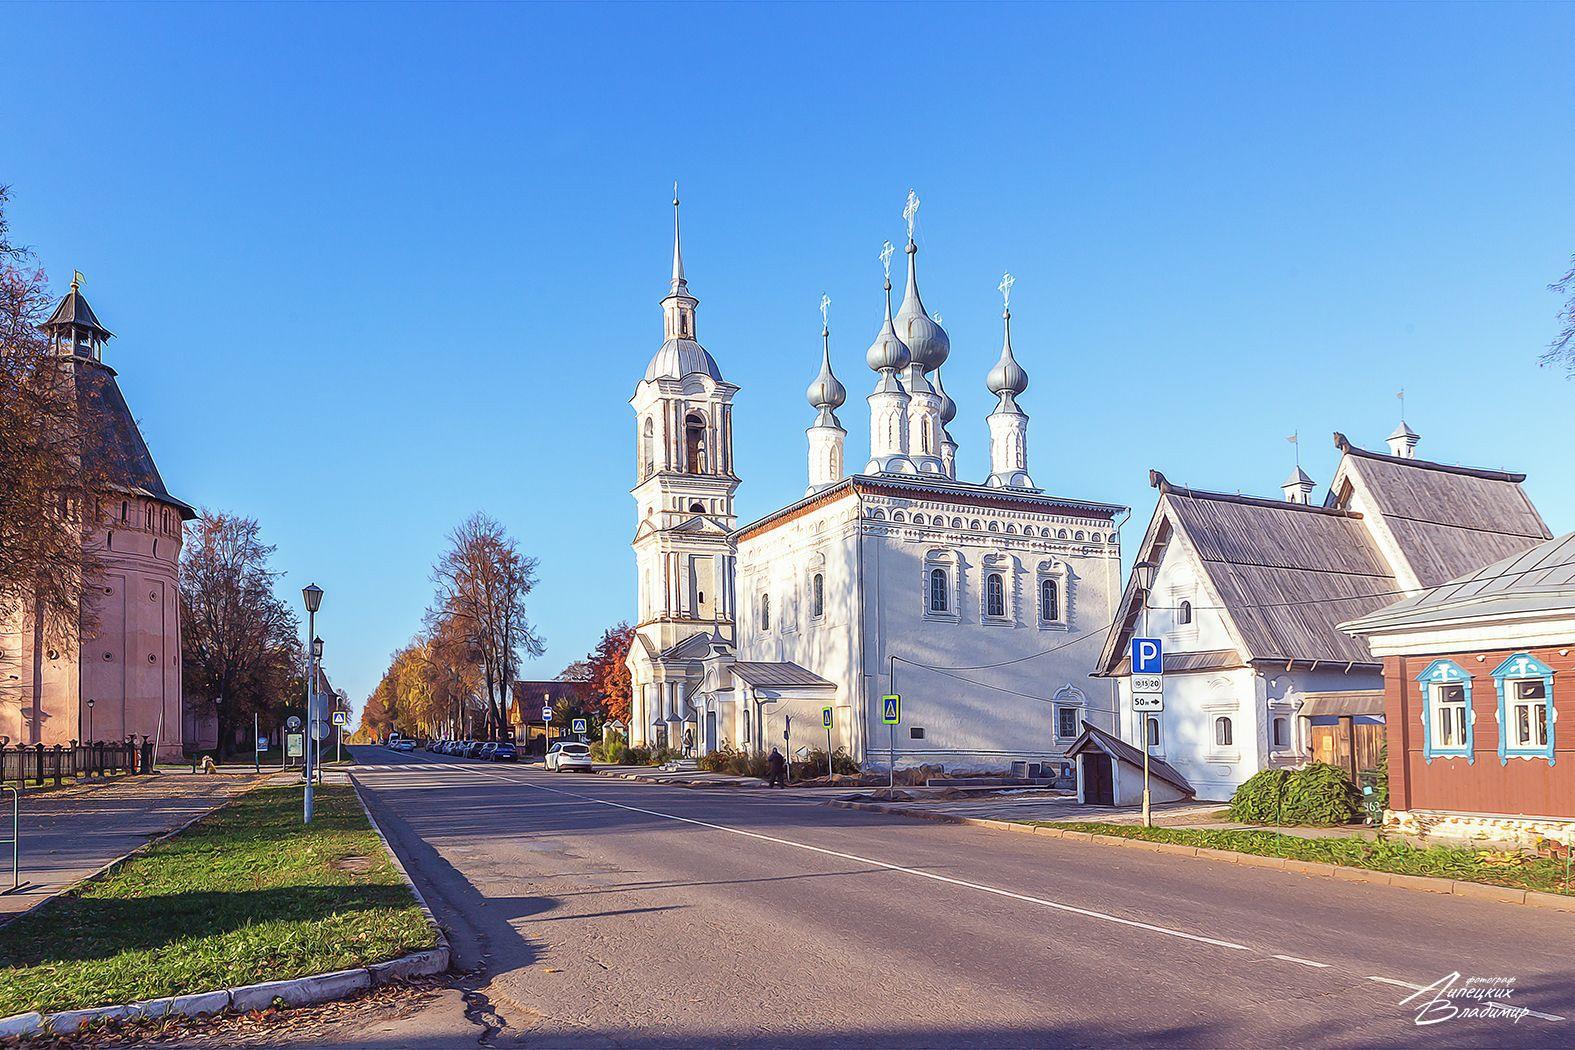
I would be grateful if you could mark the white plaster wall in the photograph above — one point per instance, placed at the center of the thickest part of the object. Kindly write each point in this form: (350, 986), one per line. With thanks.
(877, 565)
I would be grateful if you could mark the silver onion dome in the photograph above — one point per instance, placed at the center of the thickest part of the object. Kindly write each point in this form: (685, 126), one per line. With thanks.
(948, 406)
(888, 352)
(1007, 377)
(927, 341)
(826, 392)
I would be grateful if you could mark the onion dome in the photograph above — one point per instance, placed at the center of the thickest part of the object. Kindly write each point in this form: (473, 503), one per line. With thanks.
(1007, 379)
(948, 406)
(826, 393)
(888, 352)
(927, 341)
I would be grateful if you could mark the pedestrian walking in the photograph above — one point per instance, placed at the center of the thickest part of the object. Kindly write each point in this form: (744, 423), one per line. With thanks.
(776, 769)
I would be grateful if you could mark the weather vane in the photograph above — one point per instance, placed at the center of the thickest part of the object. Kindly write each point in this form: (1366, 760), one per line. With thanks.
(1401, 396)
(1007, 280)
(825, 310)
(910, 212)
(885, 258)
(1296, 439)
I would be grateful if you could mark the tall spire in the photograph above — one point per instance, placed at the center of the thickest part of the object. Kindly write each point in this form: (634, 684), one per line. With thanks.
(1008, 423)
(679, 285)
(827, 439)
(888, 355)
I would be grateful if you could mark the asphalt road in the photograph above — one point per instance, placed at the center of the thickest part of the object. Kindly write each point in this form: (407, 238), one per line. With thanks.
(599, 912)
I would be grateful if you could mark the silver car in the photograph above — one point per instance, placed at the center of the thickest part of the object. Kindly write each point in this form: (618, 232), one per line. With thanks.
(568, 754)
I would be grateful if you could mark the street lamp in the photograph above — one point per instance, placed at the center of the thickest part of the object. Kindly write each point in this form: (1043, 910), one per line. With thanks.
(90, 720)
(312, 595)
(1143, 575)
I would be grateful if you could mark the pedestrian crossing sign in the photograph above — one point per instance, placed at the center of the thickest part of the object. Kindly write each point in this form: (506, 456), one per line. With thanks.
(578, 725)
(890, 708)
(825, 717)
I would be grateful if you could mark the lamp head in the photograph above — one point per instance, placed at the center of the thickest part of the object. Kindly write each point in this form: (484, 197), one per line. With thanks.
(313, 596)
(91, 701)
(1143, 574)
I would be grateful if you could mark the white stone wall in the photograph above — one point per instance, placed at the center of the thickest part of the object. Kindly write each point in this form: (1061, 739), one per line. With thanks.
(876, 558)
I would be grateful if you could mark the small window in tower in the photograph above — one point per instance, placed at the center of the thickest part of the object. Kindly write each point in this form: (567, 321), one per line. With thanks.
(995, 595)
(817, 596)
(765, 612)
(125, 513)
(1184, 612)
(697, 508)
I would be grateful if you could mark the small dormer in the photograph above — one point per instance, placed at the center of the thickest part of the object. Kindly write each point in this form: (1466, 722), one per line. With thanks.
(1298, 487)
(1402, 442)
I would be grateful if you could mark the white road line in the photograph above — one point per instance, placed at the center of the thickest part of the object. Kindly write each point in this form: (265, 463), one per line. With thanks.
(1399, 984)
(919, 873)
(1304, 962)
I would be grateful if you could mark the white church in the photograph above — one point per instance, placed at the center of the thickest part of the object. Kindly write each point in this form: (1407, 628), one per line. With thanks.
(983, 605)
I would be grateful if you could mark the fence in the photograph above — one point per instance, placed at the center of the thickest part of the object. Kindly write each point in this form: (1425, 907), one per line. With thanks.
(38, 764)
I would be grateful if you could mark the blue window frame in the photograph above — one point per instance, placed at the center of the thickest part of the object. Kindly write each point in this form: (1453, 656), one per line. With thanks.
(1446, 711)
(1525, 708)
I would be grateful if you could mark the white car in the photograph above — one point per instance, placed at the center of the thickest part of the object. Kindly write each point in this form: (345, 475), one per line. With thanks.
(566, 755)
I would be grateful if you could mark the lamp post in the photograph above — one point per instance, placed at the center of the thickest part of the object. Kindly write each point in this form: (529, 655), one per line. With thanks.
(312, 711)
(1143, 576)
(312, 595)
(90, 720)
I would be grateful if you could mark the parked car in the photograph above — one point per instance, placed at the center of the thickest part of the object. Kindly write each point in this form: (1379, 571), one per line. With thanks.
(472, 749)
(566, 755)
(505, 752)
(485, 750)
(405, 745)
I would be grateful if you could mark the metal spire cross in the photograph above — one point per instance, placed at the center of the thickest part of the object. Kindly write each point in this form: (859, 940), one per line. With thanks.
(825, 310)
(886, 251)
(1007, 280)
(910, 212)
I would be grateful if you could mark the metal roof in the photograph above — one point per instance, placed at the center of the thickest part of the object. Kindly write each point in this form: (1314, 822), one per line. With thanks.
(1447, 520)
(777, 674)
(1093, 739)
(681, 357)
(110, 435)
(1346, 702)
(74, 310)
(1539, 579)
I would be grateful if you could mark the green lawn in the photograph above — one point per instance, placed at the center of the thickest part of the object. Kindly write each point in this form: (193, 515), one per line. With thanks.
(1393, 856)
(246, 895)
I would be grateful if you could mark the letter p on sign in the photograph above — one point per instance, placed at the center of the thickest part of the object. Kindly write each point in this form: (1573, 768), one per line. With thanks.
(1147, 656)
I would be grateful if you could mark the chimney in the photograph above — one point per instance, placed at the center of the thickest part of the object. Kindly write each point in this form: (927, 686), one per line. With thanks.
(1298, 487)
(1403, 441)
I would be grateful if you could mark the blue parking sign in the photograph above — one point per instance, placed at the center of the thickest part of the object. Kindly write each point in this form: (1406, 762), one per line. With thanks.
(1148, 656)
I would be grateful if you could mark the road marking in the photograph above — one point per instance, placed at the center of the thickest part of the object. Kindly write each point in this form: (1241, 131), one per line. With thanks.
(1304, 962)
(917, 872)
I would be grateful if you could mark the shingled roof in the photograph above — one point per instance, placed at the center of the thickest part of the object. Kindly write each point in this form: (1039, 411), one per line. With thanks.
(111, 436)
(1446, 520)
(1286, 573)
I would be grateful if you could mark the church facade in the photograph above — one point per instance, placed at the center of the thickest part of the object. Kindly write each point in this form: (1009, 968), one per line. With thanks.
(983, 605)
(121, 676)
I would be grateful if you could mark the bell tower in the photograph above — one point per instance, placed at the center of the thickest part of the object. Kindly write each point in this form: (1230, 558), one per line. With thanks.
(683, 491)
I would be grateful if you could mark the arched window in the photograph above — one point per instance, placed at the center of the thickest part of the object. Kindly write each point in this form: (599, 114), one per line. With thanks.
(123, 511)
(938, 588)
(1222, 732)
(817, 595)
(694, 444)
(697, 508)
(765, 612)
(648, 448)
(1153, 731)
(1184, 612)
(995, 595)
(1049, 601)
(150, 517)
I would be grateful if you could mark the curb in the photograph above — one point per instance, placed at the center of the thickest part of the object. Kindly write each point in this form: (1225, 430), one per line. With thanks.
(299, 991)
(1340, 872)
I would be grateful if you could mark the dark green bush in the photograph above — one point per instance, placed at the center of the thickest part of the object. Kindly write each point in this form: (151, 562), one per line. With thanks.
(1258, 801)
(813, 764)
(636, 756)
(720, 760)
(1320, 794)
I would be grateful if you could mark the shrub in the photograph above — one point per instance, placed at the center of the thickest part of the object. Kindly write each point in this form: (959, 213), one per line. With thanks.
(664, 755)
(1258, 801)
(813, 764)
(610, 750)
(636, 756)
(720, 760)
(1320, 794)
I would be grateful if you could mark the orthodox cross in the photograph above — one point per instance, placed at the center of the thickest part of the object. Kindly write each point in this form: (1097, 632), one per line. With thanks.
(1007, 280)
(825, 310)
(910, 212)
(885, 258)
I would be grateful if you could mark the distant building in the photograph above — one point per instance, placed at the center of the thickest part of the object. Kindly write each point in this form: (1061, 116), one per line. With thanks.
(1476, 671)
(981, 603)
(1249, 593)
(124, 677)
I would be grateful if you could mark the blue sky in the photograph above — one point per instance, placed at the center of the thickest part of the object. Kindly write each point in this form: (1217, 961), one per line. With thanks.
(373, 269)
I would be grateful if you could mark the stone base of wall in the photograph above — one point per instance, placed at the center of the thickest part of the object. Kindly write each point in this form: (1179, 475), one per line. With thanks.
(1467, 827)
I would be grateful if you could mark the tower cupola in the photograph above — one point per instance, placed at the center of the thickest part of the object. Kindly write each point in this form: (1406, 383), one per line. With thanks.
(73, 328)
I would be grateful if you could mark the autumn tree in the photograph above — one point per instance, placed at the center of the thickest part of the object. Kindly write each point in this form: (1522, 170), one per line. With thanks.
(609, 673)
(48, 489)
(483, 580)
(1561, 351)
(240, 643)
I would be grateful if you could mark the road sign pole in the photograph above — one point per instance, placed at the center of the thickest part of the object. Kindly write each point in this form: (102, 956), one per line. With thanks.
(891, 733)
(1148, 820)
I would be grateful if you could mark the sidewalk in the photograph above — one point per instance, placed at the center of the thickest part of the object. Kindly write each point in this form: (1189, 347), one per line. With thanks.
(70, 833)
(1040, 805)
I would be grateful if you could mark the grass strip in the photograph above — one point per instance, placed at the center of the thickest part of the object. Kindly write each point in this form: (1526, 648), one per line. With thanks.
(1389, 855)
(248, 894)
